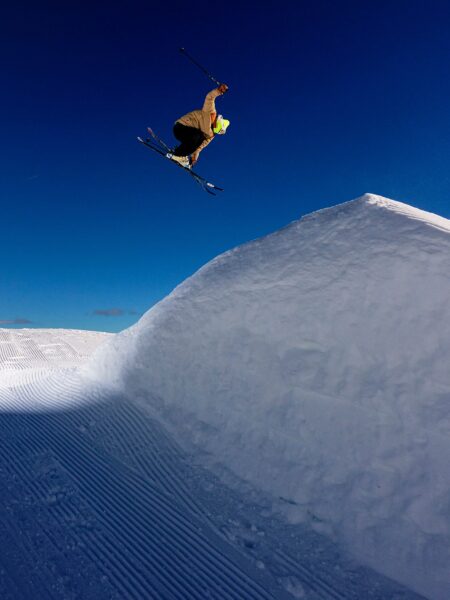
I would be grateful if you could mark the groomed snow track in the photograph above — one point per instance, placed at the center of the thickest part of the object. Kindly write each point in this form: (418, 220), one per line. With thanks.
(88, 515)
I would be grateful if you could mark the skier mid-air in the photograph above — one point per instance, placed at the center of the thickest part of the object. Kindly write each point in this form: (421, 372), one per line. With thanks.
(197, 128)
(194, 131)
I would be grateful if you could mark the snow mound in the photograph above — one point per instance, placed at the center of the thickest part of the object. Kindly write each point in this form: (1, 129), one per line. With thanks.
(314, 364)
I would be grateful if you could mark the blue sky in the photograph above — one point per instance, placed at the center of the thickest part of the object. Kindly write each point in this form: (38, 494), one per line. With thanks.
(327, 100)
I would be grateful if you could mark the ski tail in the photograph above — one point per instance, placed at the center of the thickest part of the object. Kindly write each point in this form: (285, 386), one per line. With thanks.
(159, 141)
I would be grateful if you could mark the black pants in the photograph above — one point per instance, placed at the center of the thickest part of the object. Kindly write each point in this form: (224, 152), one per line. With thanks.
(190, 139)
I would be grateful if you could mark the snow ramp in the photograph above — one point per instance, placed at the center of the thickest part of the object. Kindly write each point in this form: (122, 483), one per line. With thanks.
(313, 366)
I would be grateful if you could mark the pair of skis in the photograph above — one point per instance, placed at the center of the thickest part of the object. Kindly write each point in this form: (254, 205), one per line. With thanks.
(157, 145)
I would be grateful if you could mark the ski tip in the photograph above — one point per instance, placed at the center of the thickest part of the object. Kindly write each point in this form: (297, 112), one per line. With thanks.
(214, 187)
(139, 139)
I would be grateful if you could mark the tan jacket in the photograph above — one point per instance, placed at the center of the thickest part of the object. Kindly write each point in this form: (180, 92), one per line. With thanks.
(202, 119)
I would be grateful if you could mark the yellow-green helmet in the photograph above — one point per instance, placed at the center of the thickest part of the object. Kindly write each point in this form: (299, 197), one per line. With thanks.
(220, 126)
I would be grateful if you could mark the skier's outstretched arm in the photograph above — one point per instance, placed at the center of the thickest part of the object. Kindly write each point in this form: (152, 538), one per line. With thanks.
(209, 104)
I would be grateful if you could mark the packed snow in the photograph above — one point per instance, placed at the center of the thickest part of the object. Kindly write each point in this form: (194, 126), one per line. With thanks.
(276, 428)
(313, 365)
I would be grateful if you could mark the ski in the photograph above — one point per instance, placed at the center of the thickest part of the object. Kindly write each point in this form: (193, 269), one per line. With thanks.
(159, 140)
(209, 187)
(163, 150)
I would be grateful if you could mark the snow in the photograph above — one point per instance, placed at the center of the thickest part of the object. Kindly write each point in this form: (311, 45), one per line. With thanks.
(97, 502)
(276, 428)
(312, 366)
(28, 354)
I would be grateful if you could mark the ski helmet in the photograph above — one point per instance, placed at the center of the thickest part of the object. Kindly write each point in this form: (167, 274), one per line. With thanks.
(221, 125)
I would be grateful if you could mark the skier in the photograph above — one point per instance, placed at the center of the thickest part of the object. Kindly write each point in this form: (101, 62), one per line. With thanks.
(196, 129)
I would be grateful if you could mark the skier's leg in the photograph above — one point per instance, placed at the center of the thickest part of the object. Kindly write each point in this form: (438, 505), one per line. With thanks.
(190, 139)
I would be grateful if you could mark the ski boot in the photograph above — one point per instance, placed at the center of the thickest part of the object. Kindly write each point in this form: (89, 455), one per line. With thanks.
(184, 161)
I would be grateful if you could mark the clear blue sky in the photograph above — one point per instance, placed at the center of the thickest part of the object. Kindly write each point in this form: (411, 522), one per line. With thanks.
(327, 100)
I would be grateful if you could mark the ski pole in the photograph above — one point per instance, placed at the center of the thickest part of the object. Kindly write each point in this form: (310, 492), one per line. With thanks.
(183, 51)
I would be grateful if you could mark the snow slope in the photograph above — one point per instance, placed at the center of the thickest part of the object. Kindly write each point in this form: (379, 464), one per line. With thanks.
(313, 365)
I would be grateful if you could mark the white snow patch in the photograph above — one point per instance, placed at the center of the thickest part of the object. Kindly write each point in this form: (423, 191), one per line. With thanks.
(293, 586)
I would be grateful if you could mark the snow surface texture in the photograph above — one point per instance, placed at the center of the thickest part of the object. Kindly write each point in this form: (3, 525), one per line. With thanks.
(29, 354)
(94, 505)
(98, 502)
(313, 364)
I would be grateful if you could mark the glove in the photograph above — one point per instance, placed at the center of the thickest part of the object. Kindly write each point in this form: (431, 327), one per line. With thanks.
(223, 88)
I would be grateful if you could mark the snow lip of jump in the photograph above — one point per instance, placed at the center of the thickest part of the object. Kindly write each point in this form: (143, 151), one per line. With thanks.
(374, 200)
(368, 201)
